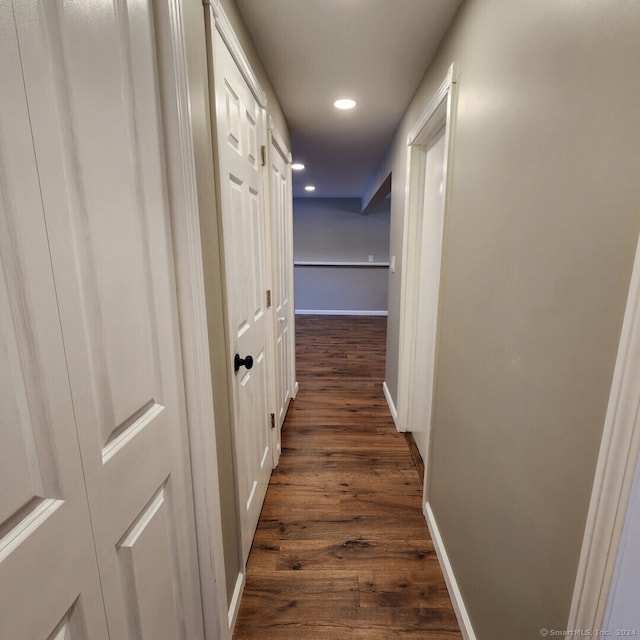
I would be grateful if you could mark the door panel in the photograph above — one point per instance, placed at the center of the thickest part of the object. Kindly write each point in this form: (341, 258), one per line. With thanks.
(281, 219)
(146, 559)
(73, 626)
(240, 130)
(93, 93)
(44, 519)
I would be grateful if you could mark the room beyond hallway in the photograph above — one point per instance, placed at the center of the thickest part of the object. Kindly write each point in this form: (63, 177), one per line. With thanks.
(342, 549)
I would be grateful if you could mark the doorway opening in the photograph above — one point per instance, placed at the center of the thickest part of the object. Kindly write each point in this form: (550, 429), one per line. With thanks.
(341, 256)
(429, 148)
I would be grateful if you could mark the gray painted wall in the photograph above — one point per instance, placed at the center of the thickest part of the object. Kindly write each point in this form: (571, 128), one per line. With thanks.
(543, 218)
(334, 230)
(348, 290)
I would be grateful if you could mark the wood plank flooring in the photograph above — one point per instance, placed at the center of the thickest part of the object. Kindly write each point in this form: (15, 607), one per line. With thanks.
(342, 549)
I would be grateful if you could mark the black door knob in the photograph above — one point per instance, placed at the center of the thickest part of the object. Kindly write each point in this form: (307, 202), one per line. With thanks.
(242, 362)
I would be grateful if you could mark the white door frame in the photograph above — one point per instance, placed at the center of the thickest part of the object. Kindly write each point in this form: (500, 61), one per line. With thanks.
(437, 114)
(187, 248)
(617, 461)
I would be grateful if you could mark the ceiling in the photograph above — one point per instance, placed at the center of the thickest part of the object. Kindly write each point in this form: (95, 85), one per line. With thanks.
(315, 51)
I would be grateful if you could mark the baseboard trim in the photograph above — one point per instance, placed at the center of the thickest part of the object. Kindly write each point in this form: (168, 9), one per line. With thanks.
(390, 403)
(234, 605)
(340, 312)
(454, 592)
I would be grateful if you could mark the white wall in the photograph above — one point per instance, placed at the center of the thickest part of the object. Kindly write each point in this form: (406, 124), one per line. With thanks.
(332, 230)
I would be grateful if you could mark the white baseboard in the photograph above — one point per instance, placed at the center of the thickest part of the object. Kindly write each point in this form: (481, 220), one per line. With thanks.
(454, 592)
(340, 312)
(392, 406)
(234, 605)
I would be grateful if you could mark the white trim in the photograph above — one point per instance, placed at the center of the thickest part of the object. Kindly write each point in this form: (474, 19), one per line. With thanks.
(222, 24)
(449, 577)
(390, 403)
(340, 312)
(187, 249)
(613, 481)
(236, 598)
(279, 144)
(434, 104)
(438, 113)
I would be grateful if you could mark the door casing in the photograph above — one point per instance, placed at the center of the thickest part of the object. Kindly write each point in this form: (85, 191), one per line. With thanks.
(190, 285)
(438, 115)
(428, 290)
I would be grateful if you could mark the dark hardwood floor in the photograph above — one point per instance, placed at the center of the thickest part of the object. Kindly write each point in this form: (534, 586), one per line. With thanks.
(342, 549)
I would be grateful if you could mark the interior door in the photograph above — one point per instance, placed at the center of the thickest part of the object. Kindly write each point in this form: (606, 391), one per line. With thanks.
(281, 220)
(45, 531)
(92, 90)
(240, 135)
(430, 260)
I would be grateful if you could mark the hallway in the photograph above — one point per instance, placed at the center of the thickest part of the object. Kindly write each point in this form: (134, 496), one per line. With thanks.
(342, 549)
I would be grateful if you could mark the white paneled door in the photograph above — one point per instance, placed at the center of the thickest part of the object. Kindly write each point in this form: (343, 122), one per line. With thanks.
(241, 134)
(48, 574)
(282, 242)
(97, 528)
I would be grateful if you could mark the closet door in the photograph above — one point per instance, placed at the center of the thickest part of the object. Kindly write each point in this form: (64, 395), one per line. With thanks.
(282, 238)
(91, 79)
(49, 586)
(240, 133)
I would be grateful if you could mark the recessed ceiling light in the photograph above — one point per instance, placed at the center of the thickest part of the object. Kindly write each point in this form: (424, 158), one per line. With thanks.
(297, 166)
(344, 103)
(309, 187)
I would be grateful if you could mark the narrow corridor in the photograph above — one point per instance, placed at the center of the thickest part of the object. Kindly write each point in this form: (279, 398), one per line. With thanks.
(342, 549)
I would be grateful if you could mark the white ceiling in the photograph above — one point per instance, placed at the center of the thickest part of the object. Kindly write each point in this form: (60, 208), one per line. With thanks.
(374, 51)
